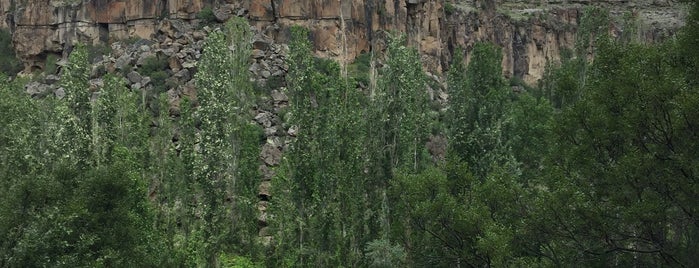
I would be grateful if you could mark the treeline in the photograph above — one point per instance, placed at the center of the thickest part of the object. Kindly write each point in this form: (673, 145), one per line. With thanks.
(595, 166)
(104, 176)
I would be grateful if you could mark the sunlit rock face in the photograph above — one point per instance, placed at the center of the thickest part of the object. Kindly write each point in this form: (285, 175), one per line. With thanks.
(531, 32)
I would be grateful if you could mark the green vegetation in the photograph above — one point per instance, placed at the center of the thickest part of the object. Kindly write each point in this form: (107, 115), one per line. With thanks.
(76, 173)
(95, 51)
(449, 8)
(206, 15)
(594, 167)
(50, 66)
(9, 64)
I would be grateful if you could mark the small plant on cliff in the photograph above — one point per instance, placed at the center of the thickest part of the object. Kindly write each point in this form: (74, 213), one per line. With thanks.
(50, 66)
(207, 15)
(94, 51)
(154, 67)
(449, 8)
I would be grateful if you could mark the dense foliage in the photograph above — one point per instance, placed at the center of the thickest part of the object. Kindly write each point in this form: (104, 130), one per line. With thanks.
(596, 166)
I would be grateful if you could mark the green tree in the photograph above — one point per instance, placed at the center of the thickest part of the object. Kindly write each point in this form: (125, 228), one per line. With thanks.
(9, 64)
(479, 110)
(402, 104)
(622, 176)
(64, 213)
(226, 198)
(322, 183)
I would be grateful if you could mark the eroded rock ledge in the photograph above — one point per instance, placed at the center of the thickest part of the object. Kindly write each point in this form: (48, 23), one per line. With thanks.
(530, 31)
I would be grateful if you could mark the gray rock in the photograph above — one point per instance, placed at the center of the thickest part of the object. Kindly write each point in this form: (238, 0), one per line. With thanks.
(264, 64)
(262, 206)
(264, 119)
(292, 131)
(145, 81)
(254, 68)
(223, 13)
(198, 35)
(279, 96)
(258, 54)
(142, 42)
(168, 52)
(60, 93)
(262, 218)
(189, 64)
(183, 75)
(51, 79)
(123, 62)
(264, 188)
(443, 95)
(270, 131)
(278, 73)
(267, 173)
(260, 43)
(134, 77)
(271, 155)
(174, 64)
(275, 141)
(117, 49)
(188, 51)
(96, 84)
(37, 89)
(265, 74)
(176, 47)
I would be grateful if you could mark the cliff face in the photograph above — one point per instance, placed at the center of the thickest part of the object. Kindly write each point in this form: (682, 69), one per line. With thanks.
(530, 31)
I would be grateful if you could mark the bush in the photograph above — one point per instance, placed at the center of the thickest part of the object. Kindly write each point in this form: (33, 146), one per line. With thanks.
(207, 15)
(360, 68)
(50, 66)
(449, 8)
(95, 51)
(153, 64)
(154, 67)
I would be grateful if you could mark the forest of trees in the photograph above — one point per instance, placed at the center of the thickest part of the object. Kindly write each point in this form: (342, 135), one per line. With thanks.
(595, 166)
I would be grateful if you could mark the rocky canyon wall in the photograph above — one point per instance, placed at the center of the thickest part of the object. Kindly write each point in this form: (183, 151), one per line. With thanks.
(530, 32)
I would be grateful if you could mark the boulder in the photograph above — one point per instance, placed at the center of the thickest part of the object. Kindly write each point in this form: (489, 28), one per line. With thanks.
(134, 77)
(271, 155)
(223, 13)
(37, 89)
(264, 189)
(267, 173)
(264, 118)
(279, 97)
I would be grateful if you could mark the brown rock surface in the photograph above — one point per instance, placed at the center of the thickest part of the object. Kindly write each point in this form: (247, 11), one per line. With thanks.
(531, 32)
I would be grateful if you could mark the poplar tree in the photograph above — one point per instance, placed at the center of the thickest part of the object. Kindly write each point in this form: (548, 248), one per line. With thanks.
(224, 93)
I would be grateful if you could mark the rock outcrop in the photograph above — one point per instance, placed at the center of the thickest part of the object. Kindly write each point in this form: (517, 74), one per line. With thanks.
(531, 32)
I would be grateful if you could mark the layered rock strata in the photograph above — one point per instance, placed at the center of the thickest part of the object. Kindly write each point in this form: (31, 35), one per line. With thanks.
(530, 32)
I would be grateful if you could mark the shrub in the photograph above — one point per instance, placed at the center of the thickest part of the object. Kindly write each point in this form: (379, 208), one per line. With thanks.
(449, 8)
(153, 64)
(360, 68)
(155, 68)
(50, 66)
(207, 15)
(95, 51)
